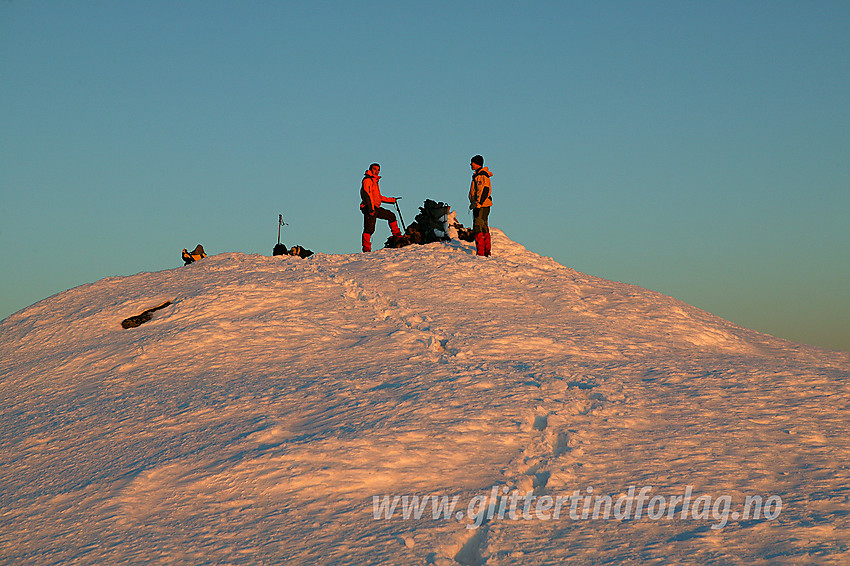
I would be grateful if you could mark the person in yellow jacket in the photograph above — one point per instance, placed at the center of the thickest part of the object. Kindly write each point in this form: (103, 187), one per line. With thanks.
(480, 201)
(370, 195)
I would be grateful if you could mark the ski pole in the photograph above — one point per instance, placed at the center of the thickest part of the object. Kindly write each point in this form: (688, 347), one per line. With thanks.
(403, 227)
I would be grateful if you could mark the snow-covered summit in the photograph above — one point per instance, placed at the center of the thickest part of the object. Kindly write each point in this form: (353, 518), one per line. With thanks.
(254, 419)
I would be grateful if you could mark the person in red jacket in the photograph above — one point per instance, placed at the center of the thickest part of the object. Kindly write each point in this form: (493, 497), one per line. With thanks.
(370, 195)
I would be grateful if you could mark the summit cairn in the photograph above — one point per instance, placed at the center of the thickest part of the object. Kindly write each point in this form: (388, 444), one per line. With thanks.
(436, 222)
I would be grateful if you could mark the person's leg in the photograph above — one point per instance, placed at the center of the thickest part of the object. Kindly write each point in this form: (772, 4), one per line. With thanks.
(485, 214)
(368, 230)
(389, 216)
(479, 224)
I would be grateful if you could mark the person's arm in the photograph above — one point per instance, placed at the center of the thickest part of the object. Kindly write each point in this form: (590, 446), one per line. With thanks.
(368, 207)
(484, 189)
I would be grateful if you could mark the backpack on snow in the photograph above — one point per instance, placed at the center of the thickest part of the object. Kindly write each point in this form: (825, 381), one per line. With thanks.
(194, 255)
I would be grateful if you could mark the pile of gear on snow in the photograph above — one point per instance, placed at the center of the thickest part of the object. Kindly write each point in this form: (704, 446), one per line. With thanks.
(194, 255)
(298, 251)
(280, 249)
(436, 222)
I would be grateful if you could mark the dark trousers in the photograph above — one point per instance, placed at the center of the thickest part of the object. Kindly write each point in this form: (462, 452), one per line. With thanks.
(369, 220)
(479, 220)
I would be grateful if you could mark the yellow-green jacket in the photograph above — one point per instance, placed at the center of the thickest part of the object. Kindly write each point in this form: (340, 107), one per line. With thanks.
(480, 192)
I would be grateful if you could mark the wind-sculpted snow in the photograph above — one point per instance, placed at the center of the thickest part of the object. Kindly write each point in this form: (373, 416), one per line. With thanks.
(260, 417)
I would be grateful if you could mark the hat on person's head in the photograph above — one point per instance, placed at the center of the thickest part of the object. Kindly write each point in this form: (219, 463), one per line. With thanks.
(478, 160)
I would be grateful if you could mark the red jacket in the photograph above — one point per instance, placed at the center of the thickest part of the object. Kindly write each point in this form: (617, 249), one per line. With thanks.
(370, 194)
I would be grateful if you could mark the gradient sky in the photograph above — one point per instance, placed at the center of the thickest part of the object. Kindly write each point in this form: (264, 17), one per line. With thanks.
(699, 149)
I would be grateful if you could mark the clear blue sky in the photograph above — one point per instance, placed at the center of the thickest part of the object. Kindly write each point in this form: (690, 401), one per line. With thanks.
(696, 148)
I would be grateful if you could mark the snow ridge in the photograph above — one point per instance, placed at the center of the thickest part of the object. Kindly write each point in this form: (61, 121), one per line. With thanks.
(254, 418)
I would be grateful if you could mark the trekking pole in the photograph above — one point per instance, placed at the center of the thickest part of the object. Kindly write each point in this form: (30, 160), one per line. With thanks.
(403, 227)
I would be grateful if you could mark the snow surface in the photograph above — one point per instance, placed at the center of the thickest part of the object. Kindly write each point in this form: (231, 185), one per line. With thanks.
(254, 419)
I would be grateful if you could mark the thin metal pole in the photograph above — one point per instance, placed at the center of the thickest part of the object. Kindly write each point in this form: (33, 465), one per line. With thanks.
(403, 227)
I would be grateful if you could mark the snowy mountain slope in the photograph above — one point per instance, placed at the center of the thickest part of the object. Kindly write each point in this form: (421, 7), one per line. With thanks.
(254, 419)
